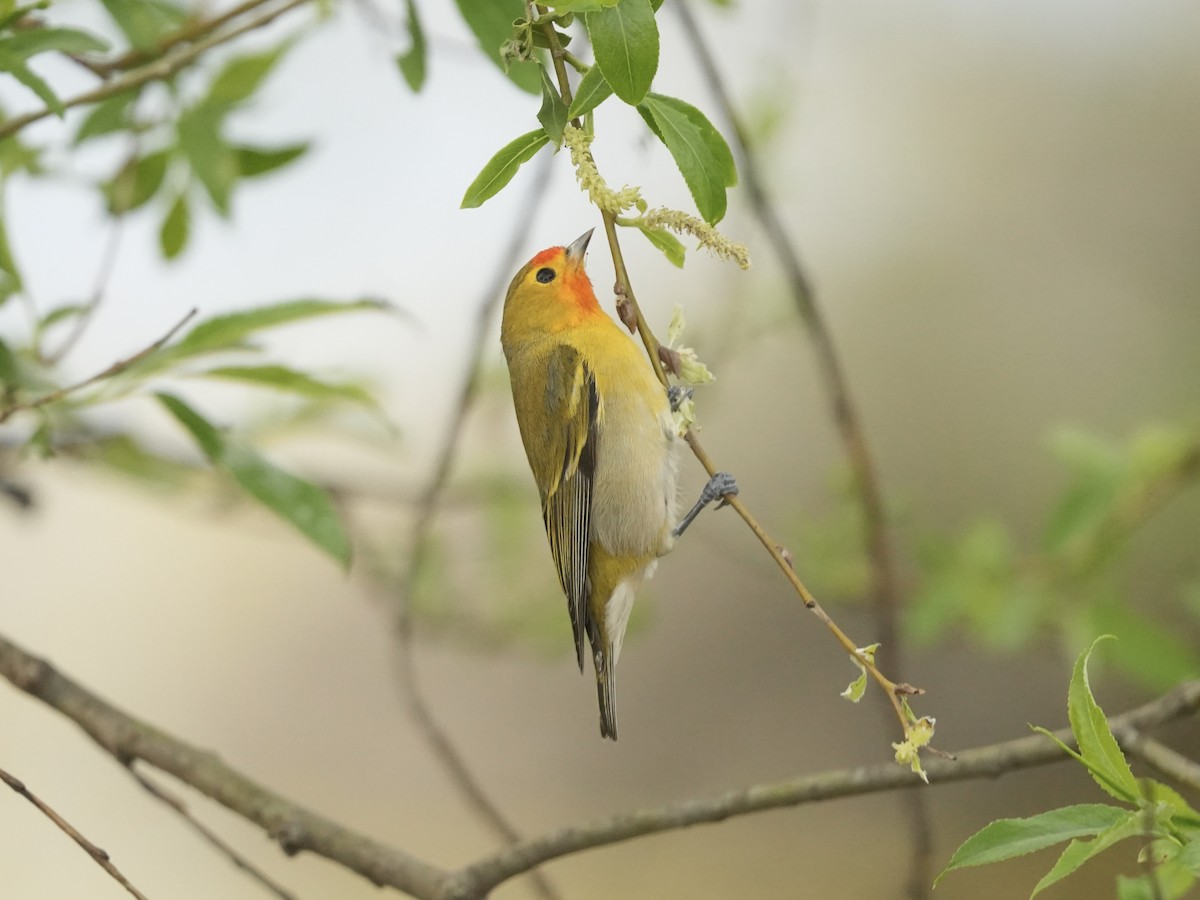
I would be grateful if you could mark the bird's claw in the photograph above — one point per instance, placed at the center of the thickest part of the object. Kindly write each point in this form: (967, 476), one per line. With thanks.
(720, 487)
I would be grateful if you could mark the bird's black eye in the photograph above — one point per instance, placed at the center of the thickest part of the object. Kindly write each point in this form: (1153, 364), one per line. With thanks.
(545, 276)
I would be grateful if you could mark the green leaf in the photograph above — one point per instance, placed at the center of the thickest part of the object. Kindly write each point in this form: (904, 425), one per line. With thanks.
(592, 91)
(10, 275)
(212, 160)
(491, 21)
(241, 76)
(553, 114)
(144, 22)
(712, 137)
(1097, 745)
(1078, 852)
(231, 330)
(412, 61)
(106, 117)
(173, 235)
(704, 173)
(671, 247)
(281, 378)
(625, 40)
(33, 41)
(60, 314)
(15, 66)
(138, 181)
(581, 6)
(293, 499)
(255, 161)
(1189, 856)
(1009, 838)
(501, 168)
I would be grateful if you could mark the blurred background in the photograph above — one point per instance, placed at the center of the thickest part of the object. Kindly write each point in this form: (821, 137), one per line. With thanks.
(999, 206)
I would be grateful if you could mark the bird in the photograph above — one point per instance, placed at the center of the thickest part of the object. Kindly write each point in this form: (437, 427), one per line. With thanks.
(600, 439)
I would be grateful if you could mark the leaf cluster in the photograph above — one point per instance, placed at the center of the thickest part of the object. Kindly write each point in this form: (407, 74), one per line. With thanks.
(1168, 827)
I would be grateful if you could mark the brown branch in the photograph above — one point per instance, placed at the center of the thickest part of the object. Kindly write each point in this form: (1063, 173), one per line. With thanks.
(481, 877)
(115, 369)
(96, 853)
(884, 587)
(157, 70)
(444, 748)
(241, 862)
(295, 828)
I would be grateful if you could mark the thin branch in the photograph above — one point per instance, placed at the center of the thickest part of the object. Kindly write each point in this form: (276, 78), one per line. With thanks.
(104, 271)
(154, 71)
(96, 853)
(884, 587)
(631, 311)
(439, 740)
(115, 369)
(241, 862)
(188, 33)
(481, 877)
(297, 829)
(293, 827)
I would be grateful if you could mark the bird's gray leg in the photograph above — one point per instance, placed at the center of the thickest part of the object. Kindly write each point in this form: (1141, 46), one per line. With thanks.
(720, 487)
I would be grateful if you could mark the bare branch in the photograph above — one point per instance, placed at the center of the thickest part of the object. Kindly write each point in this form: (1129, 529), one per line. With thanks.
(479, 878)
(241, 862)
(157, 70)
(1159, 756)
(293, 827)
(115, 369)
(439, 740)
(884, 588)
(96, 853)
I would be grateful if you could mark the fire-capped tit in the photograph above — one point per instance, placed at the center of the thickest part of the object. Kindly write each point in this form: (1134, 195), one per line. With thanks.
(598, 432)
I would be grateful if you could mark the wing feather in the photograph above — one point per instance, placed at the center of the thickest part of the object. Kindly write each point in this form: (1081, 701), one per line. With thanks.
(572, 404)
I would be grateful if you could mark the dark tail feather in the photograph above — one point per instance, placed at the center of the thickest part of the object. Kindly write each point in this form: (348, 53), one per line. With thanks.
(606, 686)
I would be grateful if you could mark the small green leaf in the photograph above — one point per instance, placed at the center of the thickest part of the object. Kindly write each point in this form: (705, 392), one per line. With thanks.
(1078, 852)
(1097, 745)
(553, 114)
(230, 331)
(173, 235)
(412, 61)
(15, 66)
(671, 247)
(144, 22)
(106, 117)
(1189, 856)
(625, 40)
(703, 172)
(243, 75)
(281, 378)
(138, 181)
(491, 21)
(501, 168)
(10, 275)
(712, 138)
(61, 314)
(10, 375)
(592, 91)
(293, 499)
(581, 6)
(255, 161)
(212, 160)
(33, 41)
(1009, 838)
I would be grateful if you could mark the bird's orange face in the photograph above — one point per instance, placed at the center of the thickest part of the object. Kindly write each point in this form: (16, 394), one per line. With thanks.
(556, 276)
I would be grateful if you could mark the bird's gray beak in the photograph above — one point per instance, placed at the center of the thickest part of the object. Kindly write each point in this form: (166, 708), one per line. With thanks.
(577, 249)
